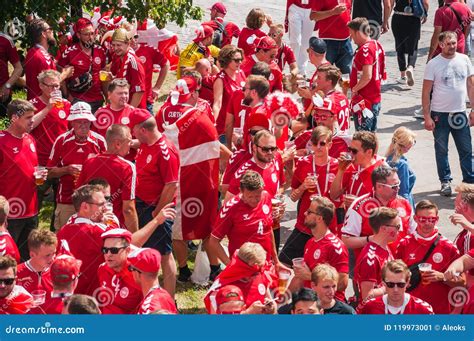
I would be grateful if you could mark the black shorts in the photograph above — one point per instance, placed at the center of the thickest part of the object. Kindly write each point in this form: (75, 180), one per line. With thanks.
(160, 239)
(294, 247)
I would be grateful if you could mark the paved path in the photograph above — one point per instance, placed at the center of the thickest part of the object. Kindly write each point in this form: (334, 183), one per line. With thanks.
(398, 104)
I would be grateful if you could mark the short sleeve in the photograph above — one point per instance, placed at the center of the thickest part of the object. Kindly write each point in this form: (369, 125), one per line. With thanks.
(224, 221)
(129, 182)
(56, 152)
(353, 223)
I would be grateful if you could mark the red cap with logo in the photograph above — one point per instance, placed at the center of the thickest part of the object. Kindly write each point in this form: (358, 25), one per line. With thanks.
(117, 233)
(219, 7)
(138, 116)
(324, 104)
(265, 43)
(229, 293)
(65, 269)
(145, 260)
(81, 24)
(183, 90)
(203, 32)
(258, 120)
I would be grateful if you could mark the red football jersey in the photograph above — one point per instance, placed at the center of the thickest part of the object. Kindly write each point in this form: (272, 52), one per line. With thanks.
(157, 165)
(106, 117)
(242, 223)
(340, 144)
(237, 159)
(118, 292)
(131, 68)
(273, 176)
(119, 173)
(411, 306)
(371, 53)
(276, 76)
(330, 250)
(37, 60)
(369, 264)
(81, 61)
(247, 39)
(231, 30)
(169, 114)
(206, 92)
(333, 27)
(8, 53)
(157, 299)
(238, 109)
(85, 243)
(67, 151)
(54, 124)
(18, 302)
(8, 246)
(464, 241)
(357, 181)
(326, 175)
(31, 280)
(149, 57)
(285, 56)
(230, 86)
(18, 160)
(412, 249)
(341, 104)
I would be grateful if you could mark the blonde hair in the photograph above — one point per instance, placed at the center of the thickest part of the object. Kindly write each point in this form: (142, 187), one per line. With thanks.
(4, 209)
(467, 193)
(252, 253)
(48, 74)
(401, 137)
(322, 272)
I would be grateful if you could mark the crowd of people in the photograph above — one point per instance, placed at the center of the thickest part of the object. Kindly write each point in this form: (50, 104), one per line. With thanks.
(244, 129)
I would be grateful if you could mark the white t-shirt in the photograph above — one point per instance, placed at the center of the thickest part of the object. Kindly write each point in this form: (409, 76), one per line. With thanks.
(449, 82)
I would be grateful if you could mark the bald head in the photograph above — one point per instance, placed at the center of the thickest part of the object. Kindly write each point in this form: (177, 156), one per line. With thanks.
(203, 66)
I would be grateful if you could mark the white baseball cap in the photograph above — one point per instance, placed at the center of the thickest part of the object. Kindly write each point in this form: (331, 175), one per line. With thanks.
(81, 111)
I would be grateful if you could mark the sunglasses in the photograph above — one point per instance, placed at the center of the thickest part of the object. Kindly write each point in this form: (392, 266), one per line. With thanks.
(7, 281)
(424, 220)
(267, 149)
(353, 150)
(108, 198)
(398, 226)
(238, 60)
(395, 186)
(132, 269)
(320, 144)
(392, 285)
(112, 250)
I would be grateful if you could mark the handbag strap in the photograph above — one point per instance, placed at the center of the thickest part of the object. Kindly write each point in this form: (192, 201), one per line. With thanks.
(431, 249)
(460, 22)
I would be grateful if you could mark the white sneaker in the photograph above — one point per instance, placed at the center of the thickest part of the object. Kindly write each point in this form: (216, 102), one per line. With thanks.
(409, 73)
(419, 114)
(402, 80)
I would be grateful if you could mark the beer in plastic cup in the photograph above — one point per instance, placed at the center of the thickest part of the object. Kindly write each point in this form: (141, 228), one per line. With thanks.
(348, 199)
(289, 144)
(40, 175)
(76, 177)
(313, 177)
(103, 75)
(39, 297)
(298, 262)
(283, 277)
(109, 210)
(276, 222)
(424, 267)
(58, 99)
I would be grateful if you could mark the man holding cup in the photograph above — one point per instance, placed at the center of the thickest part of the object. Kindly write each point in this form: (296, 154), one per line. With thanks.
(69, 152)
(425, 248)
(18, 160)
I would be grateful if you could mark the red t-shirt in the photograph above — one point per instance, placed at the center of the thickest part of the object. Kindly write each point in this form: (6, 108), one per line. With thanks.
(106, 117)
(247, 39)
(169, 114)
(229, 87)
(157, 299)
(231, 30)
(326, 175)
(340, 144)
(32, 280)
(447, 20)
(85, 243)
(149, 57)
(238, 109)
(357, 181)
(119, 173)
(335, 26)
(131, 68)
(285, 55)
(341, 104)
(371, 53)
(273, 176)
(54, 124)
(412, 249)
(8, 246)
(330, 250)
(206, 92)
(75, 56)
(118, 293)
(242, 223)
(369, 264)
(276, 76)
(18, 302)
(8, 53)
(37, 60)
(18, 160)
(157, 165)
(237, 159)
(411, 306)
(67, 151)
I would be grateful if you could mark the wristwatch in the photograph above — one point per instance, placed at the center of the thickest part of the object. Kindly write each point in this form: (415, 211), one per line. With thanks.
(8, 85)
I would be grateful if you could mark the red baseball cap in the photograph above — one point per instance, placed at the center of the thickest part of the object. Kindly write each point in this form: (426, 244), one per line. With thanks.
(203, 32)
(81, 24)
(229, 293)
(258, 120)
(326, 104)
(265, 43)
(183, 90)
(138, 116)
(117, 233)
(145, 260)
(219, 7)
(65, 269)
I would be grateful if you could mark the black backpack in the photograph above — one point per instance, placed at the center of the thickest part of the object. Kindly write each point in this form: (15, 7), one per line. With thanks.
(219, 33)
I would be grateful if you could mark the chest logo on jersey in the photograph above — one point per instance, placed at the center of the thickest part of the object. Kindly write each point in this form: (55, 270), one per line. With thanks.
(124, 292)
(437, 257)
(274, 177)
(331, 177)
(80, 63)
(15, 150)
(242, 84)
(148, 159)
(265, 209)
(62, 114)
(246, 217)
(97, 60)
(125, 120)
(261, 289)
(32, 147)
(142, 59)
(411, 256)
(272, 77)
(251, 39)
(317, 254)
